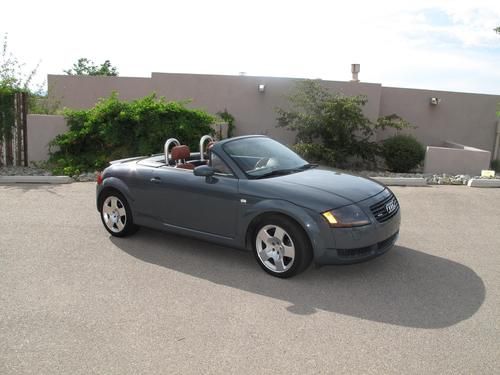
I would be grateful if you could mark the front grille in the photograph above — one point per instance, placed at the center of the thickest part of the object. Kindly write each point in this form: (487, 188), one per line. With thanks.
(381, 210)
(359, 252)
(388, 242)
(354, 253)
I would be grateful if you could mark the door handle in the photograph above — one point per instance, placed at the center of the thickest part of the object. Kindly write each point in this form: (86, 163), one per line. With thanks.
(155, 180)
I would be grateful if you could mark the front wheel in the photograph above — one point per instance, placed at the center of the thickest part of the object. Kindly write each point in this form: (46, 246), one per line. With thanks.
(116, 215)
(281, 247)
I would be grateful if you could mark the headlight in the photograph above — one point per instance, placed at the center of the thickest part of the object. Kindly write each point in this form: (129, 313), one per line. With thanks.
(346, 217)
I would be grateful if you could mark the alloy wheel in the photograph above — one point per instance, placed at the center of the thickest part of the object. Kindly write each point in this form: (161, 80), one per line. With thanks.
(275, 248)
(114, 214)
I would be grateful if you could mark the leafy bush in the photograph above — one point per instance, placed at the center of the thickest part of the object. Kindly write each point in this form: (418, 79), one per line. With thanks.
(229, 118)
(314, 152)
(335, 121)
(495, 165)
(402, 153)
(7, 114)
(116, 129)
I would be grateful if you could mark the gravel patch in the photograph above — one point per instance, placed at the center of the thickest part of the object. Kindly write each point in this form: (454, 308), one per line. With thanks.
(434, 179)
(24, 171)
(445, 179)
(86, 177)
(383, 174)
(34, 171)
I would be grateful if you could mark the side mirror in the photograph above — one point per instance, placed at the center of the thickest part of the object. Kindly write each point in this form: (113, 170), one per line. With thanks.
(204, 171)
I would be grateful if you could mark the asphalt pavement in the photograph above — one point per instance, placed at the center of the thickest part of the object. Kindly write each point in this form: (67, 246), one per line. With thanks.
(73, 300)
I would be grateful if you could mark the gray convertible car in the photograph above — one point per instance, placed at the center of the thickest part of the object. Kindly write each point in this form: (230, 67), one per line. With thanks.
(254, 193)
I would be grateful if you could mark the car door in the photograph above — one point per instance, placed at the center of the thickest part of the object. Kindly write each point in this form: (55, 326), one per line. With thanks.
(138, 182)
(208, 205)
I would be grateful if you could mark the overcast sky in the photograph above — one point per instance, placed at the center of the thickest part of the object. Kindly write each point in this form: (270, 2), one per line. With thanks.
(440, 44)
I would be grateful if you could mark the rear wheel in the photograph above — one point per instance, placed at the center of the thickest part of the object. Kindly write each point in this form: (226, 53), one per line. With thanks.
(281, 247)
(116, 215)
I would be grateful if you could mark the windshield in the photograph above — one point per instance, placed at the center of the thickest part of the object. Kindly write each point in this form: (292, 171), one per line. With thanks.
(263, 157)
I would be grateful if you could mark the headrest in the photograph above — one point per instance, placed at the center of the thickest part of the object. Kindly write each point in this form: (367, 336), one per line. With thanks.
(180, 152)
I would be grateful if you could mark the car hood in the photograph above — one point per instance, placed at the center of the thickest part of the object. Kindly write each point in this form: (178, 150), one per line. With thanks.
(317, 189)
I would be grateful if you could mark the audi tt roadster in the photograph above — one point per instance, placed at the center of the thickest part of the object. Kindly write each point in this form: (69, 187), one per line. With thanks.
(251, 192)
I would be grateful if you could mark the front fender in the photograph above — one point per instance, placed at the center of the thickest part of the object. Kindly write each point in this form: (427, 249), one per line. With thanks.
(304, 217)
(114, 183)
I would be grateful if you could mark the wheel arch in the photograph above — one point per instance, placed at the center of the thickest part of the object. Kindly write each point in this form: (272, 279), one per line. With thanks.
(113, 184)
(309, 221)
(253, 224)
(103, 193)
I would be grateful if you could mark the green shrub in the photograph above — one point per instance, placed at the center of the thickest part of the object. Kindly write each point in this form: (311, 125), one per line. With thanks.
(495, 165)
(116, 129)
(402, 153)
(314, 152)
(334, 120)
(229, 118)
(7, 113)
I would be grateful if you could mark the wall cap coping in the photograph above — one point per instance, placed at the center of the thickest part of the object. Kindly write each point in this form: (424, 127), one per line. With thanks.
(484, 182)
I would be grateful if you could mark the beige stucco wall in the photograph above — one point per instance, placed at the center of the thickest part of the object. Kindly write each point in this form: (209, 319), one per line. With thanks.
(79, 92)
(456, 160)
(459, 117)
(254, 111)
(41, 130)
(468, 119)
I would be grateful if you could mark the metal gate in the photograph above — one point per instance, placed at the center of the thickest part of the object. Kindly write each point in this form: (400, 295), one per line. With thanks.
(13, 129)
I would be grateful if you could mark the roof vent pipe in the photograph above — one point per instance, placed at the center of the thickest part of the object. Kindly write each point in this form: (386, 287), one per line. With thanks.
(355, 68)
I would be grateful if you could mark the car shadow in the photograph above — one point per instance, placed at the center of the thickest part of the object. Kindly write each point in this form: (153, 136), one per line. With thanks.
(405, 287)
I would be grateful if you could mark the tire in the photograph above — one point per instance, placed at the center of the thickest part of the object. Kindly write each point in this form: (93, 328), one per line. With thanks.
(116, 215)
(281, 246)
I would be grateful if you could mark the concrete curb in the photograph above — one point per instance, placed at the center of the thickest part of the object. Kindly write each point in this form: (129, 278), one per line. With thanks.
(401, 181)
(484, 183)
(389, 181)
(35, 180)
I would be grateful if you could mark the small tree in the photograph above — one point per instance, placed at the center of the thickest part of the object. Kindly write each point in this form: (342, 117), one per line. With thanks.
(229, 118)
(12, 71)
(13, 79)
(497, 30)
(334, 121)
(87, 67)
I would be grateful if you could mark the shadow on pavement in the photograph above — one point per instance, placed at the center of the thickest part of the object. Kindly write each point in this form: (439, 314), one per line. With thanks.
(25, 187)
(404, 287)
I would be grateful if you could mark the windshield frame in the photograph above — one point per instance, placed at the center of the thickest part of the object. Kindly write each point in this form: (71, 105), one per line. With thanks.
(302, 165)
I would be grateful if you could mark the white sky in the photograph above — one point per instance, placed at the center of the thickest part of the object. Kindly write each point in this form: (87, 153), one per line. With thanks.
(440, 44)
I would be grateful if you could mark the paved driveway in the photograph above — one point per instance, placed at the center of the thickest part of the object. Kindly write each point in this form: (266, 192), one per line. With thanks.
(75, 301)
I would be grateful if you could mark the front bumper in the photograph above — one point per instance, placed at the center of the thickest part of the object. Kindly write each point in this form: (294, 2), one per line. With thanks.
(353, 245)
